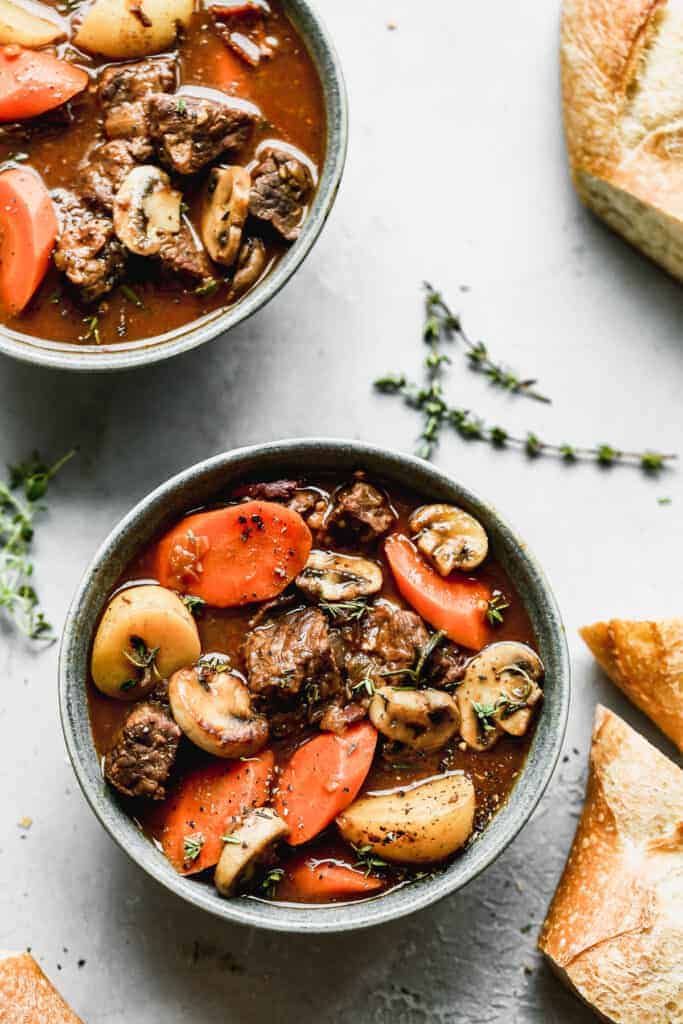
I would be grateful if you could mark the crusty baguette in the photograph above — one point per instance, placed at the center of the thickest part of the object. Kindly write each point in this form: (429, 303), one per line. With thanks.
(622, 89)
(614, 931)
(27, 996)
(645, 660)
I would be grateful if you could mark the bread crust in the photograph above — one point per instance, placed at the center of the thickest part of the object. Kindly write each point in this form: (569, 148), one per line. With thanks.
(645, 660)
(622, 113)
(27, 996)
(614, 931)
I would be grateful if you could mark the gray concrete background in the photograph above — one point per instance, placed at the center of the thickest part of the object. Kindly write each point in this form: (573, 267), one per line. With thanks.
(456, 173)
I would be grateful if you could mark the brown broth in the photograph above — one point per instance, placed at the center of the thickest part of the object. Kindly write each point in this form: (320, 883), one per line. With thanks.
(288, 92)
(493, 772)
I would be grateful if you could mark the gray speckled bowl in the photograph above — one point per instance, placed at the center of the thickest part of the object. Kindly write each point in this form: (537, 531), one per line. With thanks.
(203, 483)
(93, 358)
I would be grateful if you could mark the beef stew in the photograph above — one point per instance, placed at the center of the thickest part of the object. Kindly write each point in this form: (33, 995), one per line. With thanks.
(155, 164)
(299, 689)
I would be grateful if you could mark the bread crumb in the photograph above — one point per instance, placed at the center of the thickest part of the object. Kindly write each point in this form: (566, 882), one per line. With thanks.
(25, 823)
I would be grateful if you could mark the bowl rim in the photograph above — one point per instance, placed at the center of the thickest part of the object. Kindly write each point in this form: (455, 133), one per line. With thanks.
(146, 351)
(292, 918)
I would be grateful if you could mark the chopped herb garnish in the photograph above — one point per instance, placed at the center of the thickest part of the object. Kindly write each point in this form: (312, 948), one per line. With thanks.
(365, 684)
(192, 847)
(349, 610)
(504, 706)
(367, 860)
(18, 597)
(234, 840)
(181, 106)
(93, 331)
(139, 654)
(193, 603)
(271, 881)
(128, 685)
(132, 296)
(207, 287)
(417, 672)
(497, 606)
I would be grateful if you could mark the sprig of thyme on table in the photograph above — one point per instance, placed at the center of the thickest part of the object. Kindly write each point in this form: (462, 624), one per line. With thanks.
(18, 597)
(437, 413)
(441, 324)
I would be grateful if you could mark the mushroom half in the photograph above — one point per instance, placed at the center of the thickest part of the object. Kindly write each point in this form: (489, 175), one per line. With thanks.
(224, 210)
(331, 577)
(214, 711)
(146, 210)
(449, 538)
(498, 693)
(246, 847)
(421, 719)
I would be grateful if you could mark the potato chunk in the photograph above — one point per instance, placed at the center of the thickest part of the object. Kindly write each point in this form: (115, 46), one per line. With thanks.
(120, 29)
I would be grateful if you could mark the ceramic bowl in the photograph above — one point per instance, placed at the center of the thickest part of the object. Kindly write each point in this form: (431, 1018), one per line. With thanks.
(126, 355)
(204, 483)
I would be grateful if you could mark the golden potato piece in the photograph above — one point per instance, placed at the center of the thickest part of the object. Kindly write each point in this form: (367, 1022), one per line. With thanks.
(118, 29)
(21, 26)
(420, 823)
(140, 622)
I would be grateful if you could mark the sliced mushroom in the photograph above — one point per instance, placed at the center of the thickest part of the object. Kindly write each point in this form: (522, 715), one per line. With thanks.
(224, 211)
(146, 210)
(251, 263)
(449, 538)
(246, 847)
(421, 719)
(145, 634)
(214, 711)
(331, 577)
(498, 693)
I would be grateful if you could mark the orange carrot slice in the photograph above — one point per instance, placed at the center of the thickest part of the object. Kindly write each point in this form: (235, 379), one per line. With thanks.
(28, 231)
(32, 82)
(314, 880)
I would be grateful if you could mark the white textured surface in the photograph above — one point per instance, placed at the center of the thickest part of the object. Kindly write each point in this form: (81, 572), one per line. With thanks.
(456, 173)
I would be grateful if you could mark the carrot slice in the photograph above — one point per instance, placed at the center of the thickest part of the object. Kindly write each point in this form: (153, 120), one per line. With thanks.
(199, 812)
(322, 778)
(236, 555)
(316, 880)
(32, 81)
(458, 606)
(28, 231)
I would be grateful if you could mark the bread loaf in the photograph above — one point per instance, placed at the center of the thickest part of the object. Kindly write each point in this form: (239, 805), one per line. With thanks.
(27, 996)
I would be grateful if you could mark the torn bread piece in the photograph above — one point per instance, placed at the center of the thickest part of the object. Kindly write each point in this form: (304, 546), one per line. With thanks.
(645, 660)
(27, 996)
(614, 931)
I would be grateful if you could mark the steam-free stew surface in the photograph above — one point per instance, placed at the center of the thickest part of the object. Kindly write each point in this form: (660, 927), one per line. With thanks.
(493, 772)
(287, 91)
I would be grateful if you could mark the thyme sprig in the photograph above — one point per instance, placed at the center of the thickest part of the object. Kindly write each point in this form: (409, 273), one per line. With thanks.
(347, 610)
(441, 324)
(497, 606)
(192, 847)
(437, 413)
(271, 881)
(417, 672)
(367, 860)
(18, 597)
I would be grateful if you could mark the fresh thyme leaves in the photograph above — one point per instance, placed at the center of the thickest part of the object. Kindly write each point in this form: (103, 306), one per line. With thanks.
(436, 412)
(442, 324)
(93, 332)
(128, 685)
(139, 654)
(181, 106)
(208, 287)
(504, 706)
(192, 847)
(18, 597)
(365, 684)
(349, 610)
(193, 604)
(417, 672)
(271, 881)
(234, 840)
(367, 860)
(664, 501)
(132, 296)
(497, 606)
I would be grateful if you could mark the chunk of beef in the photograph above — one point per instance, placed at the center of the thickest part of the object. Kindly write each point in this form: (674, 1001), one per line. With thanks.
(143, 752)
(251, 262)
(183, 254)
(88, 251)
(362, 510)
(189, 131)
(447, 666)
(337, 718)
(385, 638)
(270, 490)
(122, 90)
(103, 171)
(292, 654)
(281, 188)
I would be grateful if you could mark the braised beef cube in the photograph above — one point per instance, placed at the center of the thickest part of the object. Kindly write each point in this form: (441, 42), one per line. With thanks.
(384, 639)
(292, 654)
(337, 718)
(122, 91)
(190, 131)
(362, 510)
(126, 83)
(88, 251)
(182, 254)
(280, 191)
(103, 171)
(143, 752)
(270, 490)
(447, 666)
